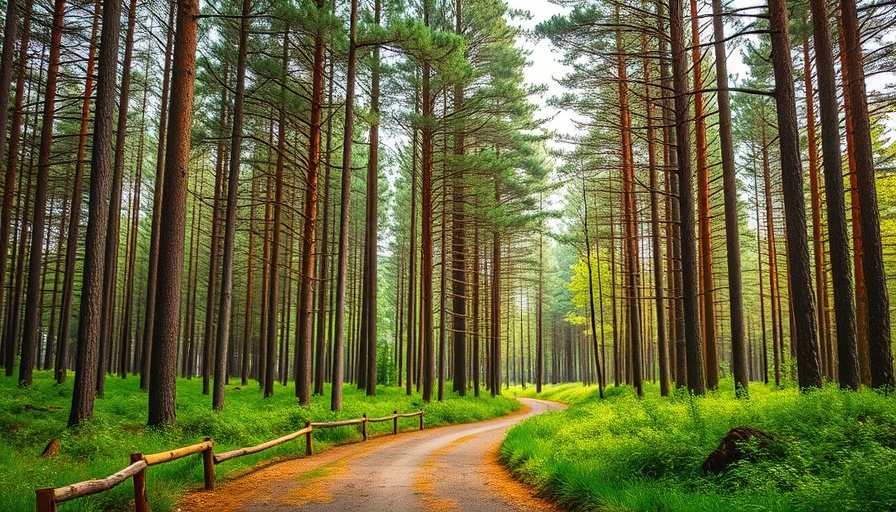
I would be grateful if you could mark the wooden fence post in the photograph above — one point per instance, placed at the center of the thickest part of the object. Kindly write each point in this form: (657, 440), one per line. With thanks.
(364, 427)
(308, 447)
(394, 422)
(46, 500)
(140, 504)
(208, 462)
(421, 418)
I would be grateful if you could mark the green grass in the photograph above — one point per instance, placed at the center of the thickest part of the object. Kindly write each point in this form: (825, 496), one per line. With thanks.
(102, 447)
(629, 454)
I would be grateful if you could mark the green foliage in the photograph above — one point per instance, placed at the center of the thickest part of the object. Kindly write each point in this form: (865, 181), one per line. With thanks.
(625, 453)
(100, 448)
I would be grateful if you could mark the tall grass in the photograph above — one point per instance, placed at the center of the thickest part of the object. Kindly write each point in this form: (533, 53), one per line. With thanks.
(625, 453)
(101, 447)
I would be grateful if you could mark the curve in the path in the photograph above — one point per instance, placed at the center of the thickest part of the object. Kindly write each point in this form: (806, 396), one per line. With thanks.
(446, 469)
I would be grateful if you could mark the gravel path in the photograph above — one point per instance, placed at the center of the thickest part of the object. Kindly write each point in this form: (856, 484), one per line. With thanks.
(446, 469)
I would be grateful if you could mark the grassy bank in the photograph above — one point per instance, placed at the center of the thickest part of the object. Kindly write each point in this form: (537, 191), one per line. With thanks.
(98, 449)
(839, 450)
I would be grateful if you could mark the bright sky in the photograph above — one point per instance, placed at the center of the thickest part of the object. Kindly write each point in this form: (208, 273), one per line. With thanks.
(545, 58)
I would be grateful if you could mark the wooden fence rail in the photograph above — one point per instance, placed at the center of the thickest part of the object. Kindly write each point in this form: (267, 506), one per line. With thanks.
(47, 499)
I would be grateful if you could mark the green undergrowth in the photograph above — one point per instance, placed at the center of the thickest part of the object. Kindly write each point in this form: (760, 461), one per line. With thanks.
(102, 447)
(837, 450)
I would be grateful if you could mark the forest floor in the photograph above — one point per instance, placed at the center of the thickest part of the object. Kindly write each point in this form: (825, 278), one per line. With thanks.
(30, 418)
(832, 450)
(448, 469)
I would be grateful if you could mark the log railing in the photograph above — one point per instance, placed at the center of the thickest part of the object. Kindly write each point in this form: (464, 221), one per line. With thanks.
(47, 499)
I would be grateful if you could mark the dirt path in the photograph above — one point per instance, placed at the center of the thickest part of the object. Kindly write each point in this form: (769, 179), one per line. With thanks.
(446, 469)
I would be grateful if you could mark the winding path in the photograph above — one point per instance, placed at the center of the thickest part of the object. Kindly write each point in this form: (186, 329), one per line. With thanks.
(446, 469)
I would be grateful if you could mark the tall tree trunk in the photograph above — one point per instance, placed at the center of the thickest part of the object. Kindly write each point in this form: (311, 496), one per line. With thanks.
(764, 359)
(458, 243)
(127, 328)
(7, 62)
(236, 142)
(248, 315)
(656, 245)
(539, 311)
(371, 233)
(113, 224)
(74, 221)
(426, 222)
(803, 300)
(690, 319)
(163, 369)
(412, 281)
(33, 292)
(320, 362)
(12, 158)
(443, 278)
(306, 293)
(879, 349)
(266, 274)
(815, 203)
(841, 273)
(211, 290)
(673, 245)
(617, 335)
(732, 221)
(476, 276)
(774, 287)
(274, 266)
(704, 220)
(345, 195)
(600, 378)
(101, 168)
(155, 230)
(496, 302)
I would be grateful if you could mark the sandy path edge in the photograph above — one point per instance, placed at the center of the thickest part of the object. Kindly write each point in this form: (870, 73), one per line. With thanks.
(446, 468)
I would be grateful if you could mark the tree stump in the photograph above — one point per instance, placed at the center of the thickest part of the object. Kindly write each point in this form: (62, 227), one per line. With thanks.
(51, 449)
(735, 446)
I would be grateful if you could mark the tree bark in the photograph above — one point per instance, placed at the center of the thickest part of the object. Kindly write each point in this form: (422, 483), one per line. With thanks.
(458, 242)
(163, 369)
(101, 166)
(273, 290)
(600, 379)
(690, 319)
(33, 292)
(704, 219)
(371, 233)
(803, 300)
(495, 384)
(412, 281)
(739, 361)
(815, 202)
(656, 245)
(322, 303)
(9, 336)
(345, 195)
(7, 63)
(155, 229)
(74, 221)
(841, 273)
(113, 223)
(426, 222)
(306, 292)
(236, 142)
(879, 349)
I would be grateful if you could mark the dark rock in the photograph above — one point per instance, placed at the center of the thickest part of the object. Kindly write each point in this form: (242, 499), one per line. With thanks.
(740, 443)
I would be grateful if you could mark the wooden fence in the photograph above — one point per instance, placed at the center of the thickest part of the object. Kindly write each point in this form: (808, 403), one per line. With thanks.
(47, 499)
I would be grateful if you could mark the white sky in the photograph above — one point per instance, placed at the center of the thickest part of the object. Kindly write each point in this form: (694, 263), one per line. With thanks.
(545, 68)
